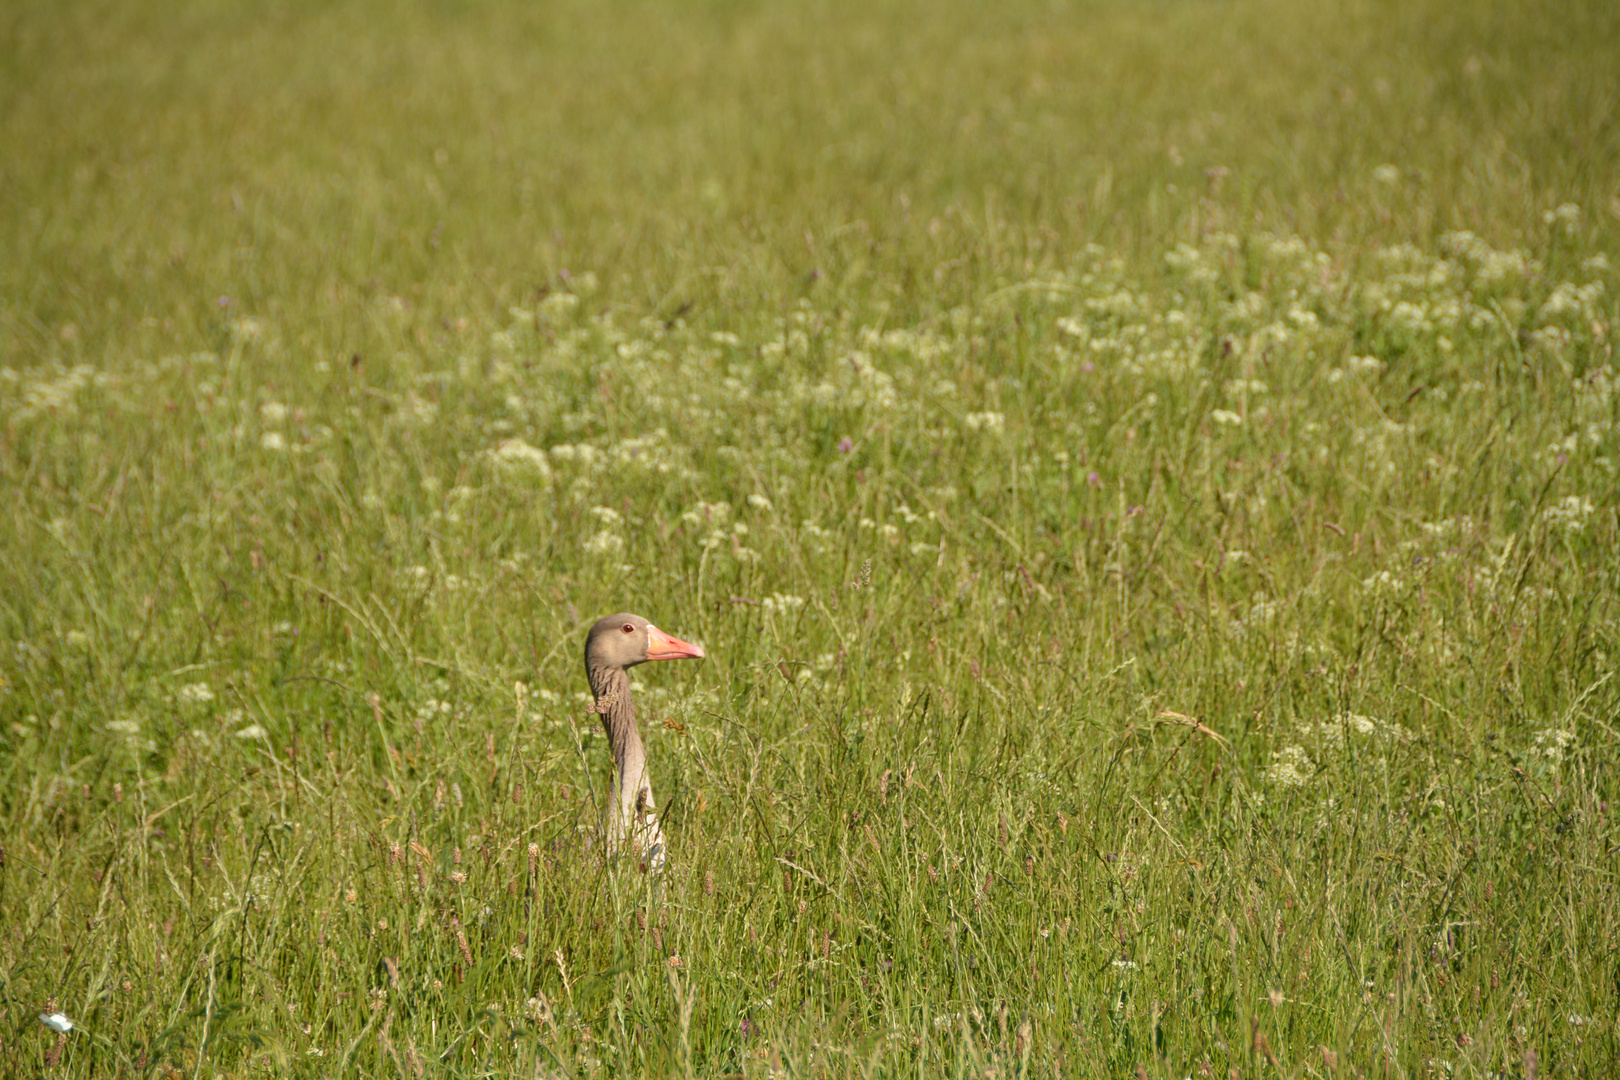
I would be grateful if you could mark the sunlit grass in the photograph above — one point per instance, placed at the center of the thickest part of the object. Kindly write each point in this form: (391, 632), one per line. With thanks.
(1143, 477)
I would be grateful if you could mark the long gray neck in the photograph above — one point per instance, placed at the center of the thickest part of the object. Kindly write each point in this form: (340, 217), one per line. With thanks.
(632, 795)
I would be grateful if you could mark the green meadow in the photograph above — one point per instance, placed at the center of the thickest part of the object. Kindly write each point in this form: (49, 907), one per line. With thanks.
(1144, 475)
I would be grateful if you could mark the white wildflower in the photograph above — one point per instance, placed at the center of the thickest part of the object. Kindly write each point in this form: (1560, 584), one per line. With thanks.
(1290, 767)
(985, 421)
(604, 543)
(194, 694)
(431, 708)
(1551, 743)
(557, 305)
(583, 453)
(1568, 215)
(1568, 513)
(1382, 581)
(706, 513)
(1408, 316)
(517, 456)
(1259, 615)
(1569, 299)
(1361, 725)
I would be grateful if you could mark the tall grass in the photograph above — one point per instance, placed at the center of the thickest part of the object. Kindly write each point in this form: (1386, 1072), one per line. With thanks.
(1143, 476)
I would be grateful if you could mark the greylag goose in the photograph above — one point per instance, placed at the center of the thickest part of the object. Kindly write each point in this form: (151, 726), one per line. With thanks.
(614, 644)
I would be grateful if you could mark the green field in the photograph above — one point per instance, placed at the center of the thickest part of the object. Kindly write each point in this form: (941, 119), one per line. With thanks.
(1144, 475)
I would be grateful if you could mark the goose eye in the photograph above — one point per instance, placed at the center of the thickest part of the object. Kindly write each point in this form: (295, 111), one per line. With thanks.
(628, 628)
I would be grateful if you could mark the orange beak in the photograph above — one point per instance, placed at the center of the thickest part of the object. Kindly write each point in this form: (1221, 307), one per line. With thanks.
(661, 646)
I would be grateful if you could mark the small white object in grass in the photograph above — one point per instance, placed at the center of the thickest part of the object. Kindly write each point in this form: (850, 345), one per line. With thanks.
(985, 421)
(1290, 767)
(1361, 725)
(604, 543)
(1383, 581)
(1568, 215)
(1552, 743)
(515, 455)
(1570, 512)
(56, 1022)
(252, 731)
(194, 694)
(1387, 174)
(1226, 416)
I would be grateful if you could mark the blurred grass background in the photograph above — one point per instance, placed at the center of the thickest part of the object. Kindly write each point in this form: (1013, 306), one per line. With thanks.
(997, 392)
(302, 160)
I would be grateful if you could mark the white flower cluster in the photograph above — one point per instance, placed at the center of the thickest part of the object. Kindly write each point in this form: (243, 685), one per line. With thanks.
(515, 458)
(984, 421)
(1325, 744)
(1569, 513)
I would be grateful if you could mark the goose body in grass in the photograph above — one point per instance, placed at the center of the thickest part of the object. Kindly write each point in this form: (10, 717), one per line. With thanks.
(613, 646)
